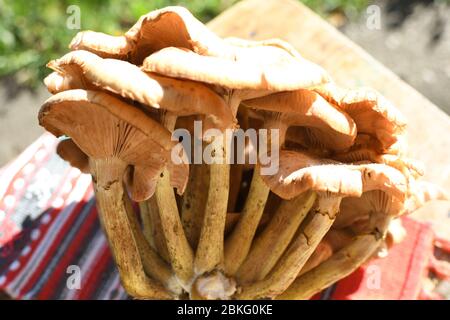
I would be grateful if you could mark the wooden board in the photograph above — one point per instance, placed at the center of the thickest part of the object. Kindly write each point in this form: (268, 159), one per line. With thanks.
(350, 66)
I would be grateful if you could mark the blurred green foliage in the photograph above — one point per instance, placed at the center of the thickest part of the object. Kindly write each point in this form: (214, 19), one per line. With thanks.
(34, 32)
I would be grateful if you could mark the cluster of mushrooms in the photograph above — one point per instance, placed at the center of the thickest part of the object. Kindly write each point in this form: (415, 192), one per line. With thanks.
(226, 231)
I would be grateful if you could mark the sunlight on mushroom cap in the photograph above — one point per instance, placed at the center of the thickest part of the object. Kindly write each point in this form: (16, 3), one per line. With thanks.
(168, 27)
(105, 127)
(85, 70)
(300, 172)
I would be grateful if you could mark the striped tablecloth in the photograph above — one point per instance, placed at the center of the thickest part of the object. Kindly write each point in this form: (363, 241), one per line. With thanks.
(49, 233)
(48, 223)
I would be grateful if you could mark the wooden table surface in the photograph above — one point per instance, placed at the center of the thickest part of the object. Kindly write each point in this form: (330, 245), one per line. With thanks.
(350, 66)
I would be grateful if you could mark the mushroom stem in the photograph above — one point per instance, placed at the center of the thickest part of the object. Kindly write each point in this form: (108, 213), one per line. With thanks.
(270, 245)
(107, 176)
(194, 202)
(334, 240)
(298, 252)
(144, 213)
(340, 264)
(236, 171)
(209, 253)
(152, 228)
(152, 263)
(180, 253)
(238, 244)
(239, 241)
(323, 252)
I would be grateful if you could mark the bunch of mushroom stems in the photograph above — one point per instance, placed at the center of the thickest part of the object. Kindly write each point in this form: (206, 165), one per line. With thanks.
(220, 230)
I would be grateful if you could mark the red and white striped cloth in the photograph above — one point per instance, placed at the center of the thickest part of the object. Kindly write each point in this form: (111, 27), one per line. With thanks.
(48, 222)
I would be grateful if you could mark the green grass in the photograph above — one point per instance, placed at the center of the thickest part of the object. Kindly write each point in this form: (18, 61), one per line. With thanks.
(34, 32)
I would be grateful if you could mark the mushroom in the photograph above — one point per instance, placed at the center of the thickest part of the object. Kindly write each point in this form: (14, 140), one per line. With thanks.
(375, 212)
(115, 136)
(328, 126)
(192, 207)
(255, 71)
(380, 208)
(355, 212)
(56, 82)
(331, 92)
(85, 70)
(210, 248)
(179, 98)
(334, 240)
(273, 240)
(343, 172)
(274, 42)
(238, 243)
(372, 113)
(168, 27)
(152, 227)
(141, 185)
(368, 149)
(70, 152)
(194, 202)
(299, 173)
(338, 265)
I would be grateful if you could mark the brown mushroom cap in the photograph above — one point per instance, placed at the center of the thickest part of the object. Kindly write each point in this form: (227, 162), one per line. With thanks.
(104, 127)
(373, 114)
(325, 125)
(274, 42)
(331, 92)
(266, 68)
(299, 172)
(368, 148)
(57, 82)
(85, 70)
(168, 27)
(69, 151)
(354, 211)
(405, 165)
